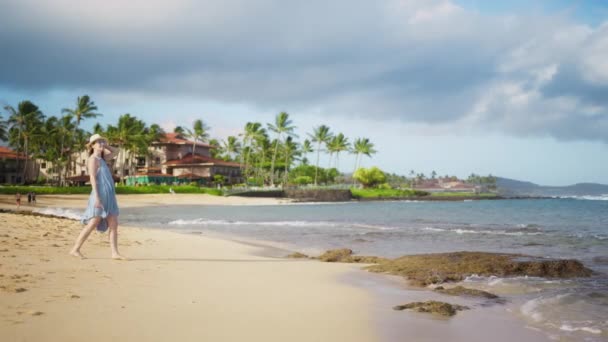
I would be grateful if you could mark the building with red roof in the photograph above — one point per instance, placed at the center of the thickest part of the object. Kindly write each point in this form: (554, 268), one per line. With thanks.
(174, 158)
(11, 166)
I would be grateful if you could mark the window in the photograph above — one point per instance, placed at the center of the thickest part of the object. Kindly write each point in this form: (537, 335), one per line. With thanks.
(82, 173)
(157, 160)
(43, 166)
(141, 161)
(126, 173)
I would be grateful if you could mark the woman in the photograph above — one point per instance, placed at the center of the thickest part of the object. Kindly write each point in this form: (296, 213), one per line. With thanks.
(102, 210)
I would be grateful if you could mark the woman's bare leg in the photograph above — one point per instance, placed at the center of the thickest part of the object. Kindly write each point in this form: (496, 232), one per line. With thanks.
(84, 234)
(113, 227)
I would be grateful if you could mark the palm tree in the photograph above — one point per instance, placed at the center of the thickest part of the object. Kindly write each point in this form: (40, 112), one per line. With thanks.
(3, 135)
(85, 109)
(283, 126)
(253, 132)
(291, 150)
(65, 128)
(199, 132)
(232, 146)
(215, 149)
(179, 130)
(339, 143)
(413, 182)
(362, 146)
(130, 135)
(306, 148)
(321, 135)
(25, 123)
(98, 128)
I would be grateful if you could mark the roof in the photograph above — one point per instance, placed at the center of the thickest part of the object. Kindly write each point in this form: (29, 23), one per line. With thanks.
(178, 139)
(189, 159)
(6, 152)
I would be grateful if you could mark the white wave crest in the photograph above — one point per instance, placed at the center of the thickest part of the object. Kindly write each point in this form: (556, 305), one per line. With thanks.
(207, 222)
(60, 212)
(461, 231)
(567, 327)
(603, 197)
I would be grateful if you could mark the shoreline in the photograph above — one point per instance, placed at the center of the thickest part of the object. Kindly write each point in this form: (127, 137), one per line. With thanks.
(386, 324)
(369, 296)
(172, 284)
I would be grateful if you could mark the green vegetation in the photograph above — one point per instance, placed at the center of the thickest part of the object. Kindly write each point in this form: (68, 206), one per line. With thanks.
(386, 193)
(121, 189)
(370, 177)
(302, 174)
(267, 152)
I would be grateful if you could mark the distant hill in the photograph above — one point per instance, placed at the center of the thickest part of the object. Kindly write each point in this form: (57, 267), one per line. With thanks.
(512, 187)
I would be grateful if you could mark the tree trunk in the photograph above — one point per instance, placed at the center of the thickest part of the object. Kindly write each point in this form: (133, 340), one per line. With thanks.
(25, 162)
(274, 158)
(317, 166)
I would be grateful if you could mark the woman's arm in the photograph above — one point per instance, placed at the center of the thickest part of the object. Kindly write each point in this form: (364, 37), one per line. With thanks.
(111, 152)
(93, 165)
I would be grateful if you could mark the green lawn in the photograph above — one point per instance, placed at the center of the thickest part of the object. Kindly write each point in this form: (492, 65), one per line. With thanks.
(148, 189)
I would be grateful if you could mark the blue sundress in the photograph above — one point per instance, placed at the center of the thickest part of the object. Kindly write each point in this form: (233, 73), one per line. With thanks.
(107, 195)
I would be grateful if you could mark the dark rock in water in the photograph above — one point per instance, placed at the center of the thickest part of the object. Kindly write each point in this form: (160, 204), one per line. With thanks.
(463, 291)
(297, 255)
(346, 255)
(336, 255)
(431, 306)
(426, 269)
(531, 244)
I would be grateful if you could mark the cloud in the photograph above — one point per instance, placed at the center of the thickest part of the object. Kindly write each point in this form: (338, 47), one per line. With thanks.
(423, 62)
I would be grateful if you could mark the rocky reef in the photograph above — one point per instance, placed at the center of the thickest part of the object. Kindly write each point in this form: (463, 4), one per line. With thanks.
(434, 307)
(346, 255)
(463, 291)
(426, 269)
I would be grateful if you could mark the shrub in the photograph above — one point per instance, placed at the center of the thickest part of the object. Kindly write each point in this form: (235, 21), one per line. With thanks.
(303, 180)
(385, 186)
(324, 175)
(369, 177)
(255, 181)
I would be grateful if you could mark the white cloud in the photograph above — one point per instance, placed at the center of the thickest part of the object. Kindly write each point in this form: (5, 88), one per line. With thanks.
(417, 61)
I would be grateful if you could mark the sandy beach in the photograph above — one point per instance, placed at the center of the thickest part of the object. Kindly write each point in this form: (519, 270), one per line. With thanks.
(125, 201)
(175, 287)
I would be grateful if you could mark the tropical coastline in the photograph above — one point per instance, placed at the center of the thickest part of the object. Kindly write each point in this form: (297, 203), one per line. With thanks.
(378, 292)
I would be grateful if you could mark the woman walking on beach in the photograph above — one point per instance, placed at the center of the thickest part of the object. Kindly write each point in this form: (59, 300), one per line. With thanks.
(102, 209)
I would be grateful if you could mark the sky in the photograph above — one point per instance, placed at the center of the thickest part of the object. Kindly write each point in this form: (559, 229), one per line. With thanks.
(517, 89)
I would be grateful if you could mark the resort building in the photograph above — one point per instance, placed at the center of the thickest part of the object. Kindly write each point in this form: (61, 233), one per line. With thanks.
(174, 159)
(170, 160)
(11, 166)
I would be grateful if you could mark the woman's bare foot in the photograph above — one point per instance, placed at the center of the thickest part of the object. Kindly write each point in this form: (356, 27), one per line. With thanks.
(77, 254)
(119, 257)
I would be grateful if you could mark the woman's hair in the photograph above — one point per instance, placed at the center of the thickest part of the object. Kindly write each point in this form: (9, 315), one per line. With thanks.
(90, 148)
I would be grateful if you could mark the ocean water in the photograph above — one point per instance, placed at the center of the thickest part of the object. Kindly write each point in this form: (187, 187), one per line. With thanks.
(565, 310)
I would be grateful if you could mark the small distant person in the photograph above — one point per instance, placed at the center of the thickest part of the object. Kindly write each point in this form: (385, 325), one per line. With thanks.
(29, 198)
(171, 191)
(18, 199)
(102, 209)
(34, 197)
